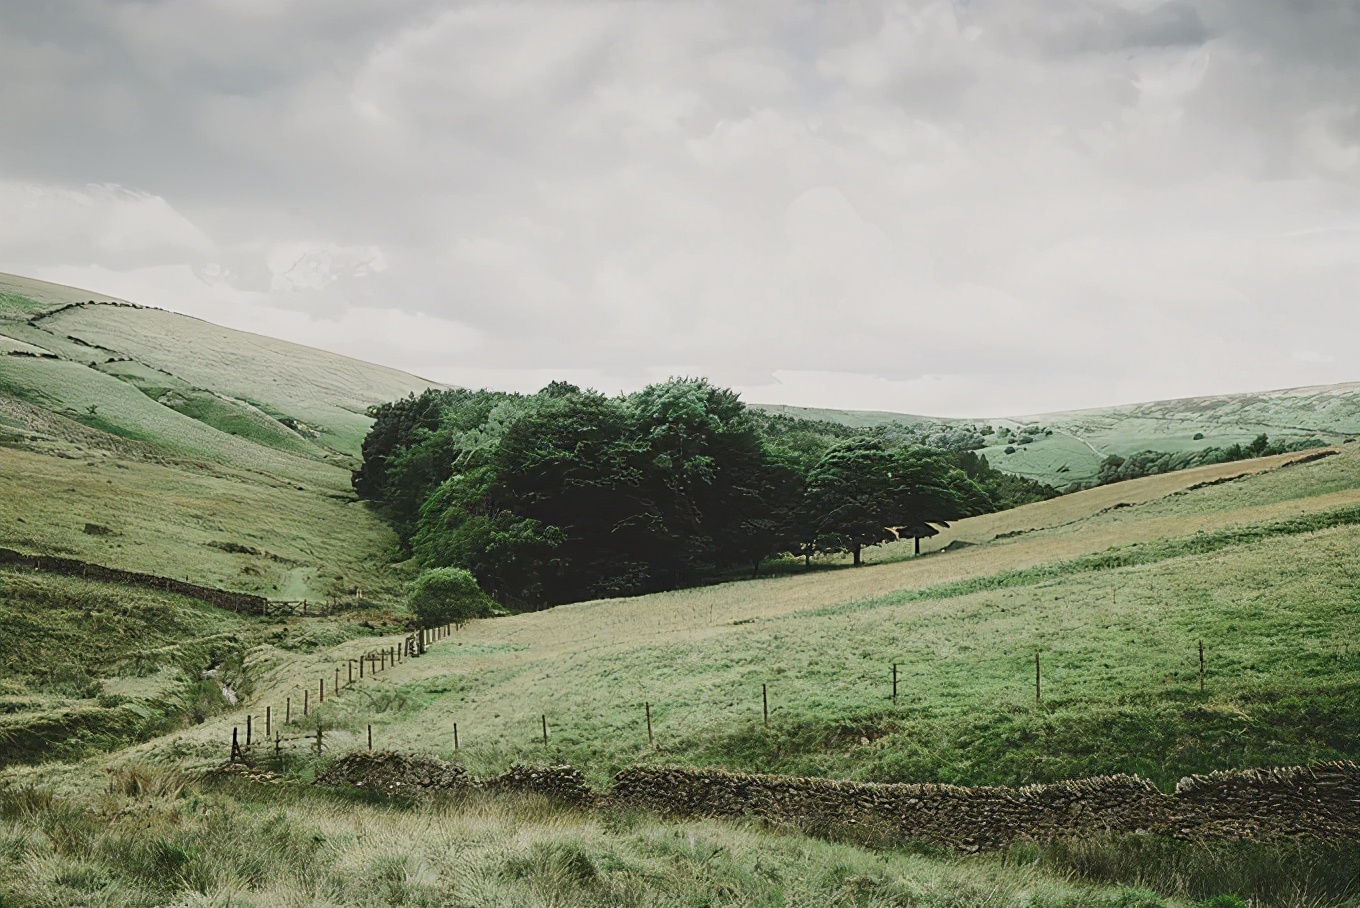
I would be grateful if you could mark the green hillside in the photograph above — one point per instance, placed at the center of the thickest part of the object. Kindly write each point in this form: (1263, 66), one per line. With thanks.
(151, 441)
(157, 443)
(1067, 447)
(1253, 559)
(1114, 588)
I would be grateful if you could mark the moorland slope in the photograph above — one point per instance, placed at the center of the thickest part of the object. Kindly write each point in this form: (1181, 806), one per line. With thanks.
(156, 442)
(1067, 447)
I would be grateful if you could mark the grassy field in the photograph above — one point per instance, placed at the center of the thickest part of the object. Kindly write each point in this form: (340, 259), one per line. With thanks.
(1261, 568)
(88, 667)
(160, 444)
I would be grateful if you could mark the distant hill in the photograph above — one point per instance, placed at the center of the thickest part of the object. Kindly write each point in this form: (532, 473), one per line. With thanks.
(149, 440)
(156, 442)
(277, 393)
(1066, 447)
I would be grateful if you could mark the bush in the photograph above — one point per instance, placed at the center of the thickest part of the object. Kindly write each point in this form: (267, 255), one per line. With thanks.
(1010, 449)
(448, 596)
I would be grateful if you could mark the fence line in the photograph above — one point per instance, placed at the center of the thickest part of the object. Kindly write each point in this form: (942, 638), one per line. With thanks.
(381, 658)
(371, 662)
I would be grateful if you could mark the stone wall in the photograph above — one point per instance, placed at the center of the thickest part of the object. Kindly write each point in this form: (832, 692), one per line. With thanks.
(243, 603)
(1320, 801)
(1299, 802)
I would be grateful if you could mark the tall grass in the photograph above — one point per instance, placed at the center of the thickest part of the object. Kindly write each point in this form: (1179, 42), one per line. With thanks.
(249, 847)
(1286, 873)
(155, 838)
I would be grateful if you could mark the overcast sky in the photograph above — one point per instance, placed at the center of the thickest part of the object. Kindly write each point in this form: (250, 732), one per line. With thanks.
(967, 208)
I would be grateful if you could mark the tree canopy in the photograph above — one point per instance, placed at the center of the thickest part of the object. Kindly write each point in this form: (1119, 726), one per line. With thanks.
(569, 494)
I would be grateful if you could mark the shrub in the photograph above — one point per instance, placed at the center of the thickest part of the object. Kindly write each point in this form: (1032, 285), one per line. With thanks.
(448, 596)
(1010, 449)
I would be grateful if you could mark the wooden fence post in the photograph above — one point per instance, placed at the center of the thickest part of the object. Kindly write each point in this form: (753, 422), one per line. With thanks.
(318, 739)
(765, 702)
(370, 737)
(1201, 666)
(455, 736)
(321, 690)
(267, 725)
(545, 729)
(650, 741)
(337, 679)
(248, 718)
(304, 703)
(288, 711)
(235, 747)
(894, 697)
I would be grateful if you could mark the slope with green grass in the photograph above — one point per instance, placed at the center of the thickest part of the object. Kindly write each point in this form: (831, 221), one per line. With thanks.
(1067, 447)
(1255, 559)
(205, 453)
(1115, 600)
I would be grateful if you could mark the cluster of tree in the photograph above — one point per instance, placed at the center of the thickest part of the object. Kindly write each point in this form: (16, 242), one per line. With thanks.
(1149, 463)
(569, 494)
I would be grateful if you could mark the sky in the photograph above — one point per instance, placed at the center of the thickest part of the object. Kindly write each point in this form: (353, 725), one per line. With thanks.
(979, 208)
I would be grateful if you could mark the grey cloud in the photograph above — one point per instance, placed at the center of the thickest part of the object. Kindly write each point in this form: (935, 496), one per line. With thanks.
(1073, 188)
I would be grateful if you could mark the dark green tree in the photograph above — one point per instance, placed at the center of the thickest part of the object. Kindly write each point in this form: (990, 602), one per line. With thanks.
(865, 492)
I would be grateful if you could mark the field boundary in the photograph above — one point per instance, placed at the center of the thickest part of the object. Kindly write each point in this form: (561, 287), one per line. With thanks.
(241, 603)
(1321, 801)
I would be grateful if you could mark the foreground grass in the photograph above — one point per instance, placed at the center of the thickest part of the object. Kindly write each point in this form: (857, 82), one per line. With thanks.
(154, 838)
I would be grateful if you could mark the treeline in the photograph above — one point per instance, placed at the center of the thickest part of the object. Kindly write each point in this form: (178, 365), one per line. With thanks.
(568, 494)
(1150, 463)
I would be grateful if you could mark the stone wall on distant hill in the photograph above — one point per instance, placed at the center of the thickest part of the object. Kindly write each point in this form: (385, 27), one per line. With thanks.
(244, 603)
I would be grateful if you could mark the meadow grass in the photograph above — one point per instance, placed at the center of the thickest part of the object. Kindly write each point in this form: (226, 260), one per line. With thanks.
(217, 525)
(1120, 691)
(326, 392)
(156, 836)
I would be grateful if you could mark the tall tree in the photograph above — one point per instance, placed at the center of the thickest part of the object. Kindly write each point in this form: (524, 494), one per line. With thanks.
(849, 504)
(865, 492)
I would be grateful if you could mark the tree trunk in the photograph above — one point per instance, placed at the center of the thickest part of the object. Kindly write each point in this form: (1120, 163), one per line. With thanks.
(857, 555)
(918, 544)
(755, 568)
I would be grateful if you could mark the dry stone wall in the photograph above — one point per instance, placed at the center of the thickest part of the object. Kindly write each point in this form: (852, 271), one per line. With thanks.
(1300, 802)
(1320, 801)
(243, 603)
(959, 817)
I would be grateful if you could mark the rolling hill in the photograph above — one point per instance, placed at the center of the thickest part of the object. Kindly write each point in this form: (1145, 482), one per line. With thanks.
(150, 441)
(156, 442)
(161, 443)
(1067, 447)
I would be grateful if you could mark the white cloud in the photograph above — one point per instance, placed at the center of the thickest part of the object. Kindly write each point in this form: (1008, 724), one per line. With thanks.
(920, 205)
